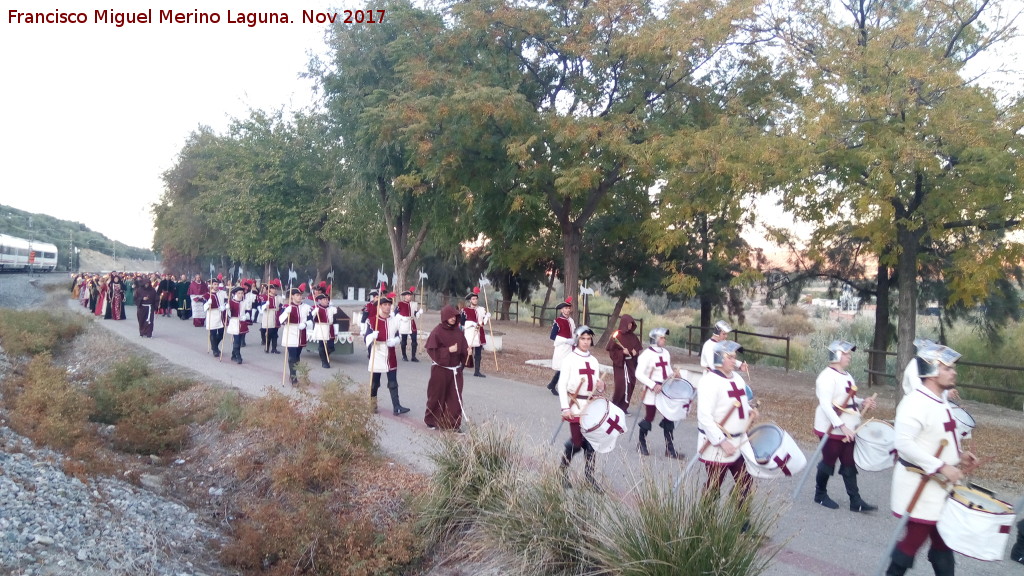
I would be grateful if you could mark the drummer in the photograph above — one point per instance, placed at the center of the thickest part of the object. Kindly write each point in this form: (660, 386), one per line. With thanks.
(654, 367)
(926, 439)
(911, 380)
(723, 417)
(839, 414)
(579, 381)
(707, 352)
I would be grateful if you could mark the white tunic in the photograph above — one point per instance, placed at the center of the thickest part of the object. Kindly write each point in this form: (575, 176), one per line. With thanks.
(215, 321)
(382, 354)
(405, 322)
(322, 330)
(579, 375)
(290, 334)
(269, 312)
(471, 329)
(653, 367)
(832, 389)
(707, 356)
(562, 344)
(235, 322)
(911, 380)
(715, 398)
(923, 421)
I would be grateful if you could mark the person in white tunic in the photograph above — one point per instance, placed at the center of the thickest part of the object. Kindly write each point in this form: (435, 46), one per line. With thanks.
(839, 414)
(927, 442)
(214, 308)
(578, 383)
(654, 368)
(294, 319)
(723, 417)
(707, 352)
(562, 330)
(911, 379)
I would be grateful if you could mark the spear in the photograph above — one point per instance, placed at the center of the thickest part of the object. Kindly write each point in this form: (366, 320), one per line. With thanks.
(484, 282)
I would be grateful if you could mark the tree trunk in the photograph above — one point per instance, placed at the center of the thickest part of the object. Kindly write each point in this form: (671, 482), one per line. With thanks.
(550, 285)
(506, 301)
(906, 282)
(706, 307)
(881, 339)
(571, 264)
(613, 320)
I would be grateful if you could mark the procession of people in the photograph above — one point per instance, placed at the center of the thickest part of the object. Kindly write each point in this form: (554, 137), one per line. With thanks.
(927, 456)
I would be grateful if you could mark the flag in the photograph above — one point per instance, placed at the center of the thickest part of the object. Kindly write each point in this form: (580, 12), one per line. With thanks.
(484, 281)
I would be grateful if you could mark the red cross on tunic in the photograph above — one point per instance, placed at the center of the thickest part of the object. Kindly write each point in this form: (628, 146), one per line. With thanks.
(782, 463)
(613, 424)
(661, 363)
(737, 394)
(589, 373)
(851, 393)
(950, 426)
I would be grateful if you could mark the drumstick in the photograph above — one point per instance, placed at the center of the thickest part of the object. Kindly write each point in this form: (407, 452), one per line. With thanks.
(906, 515)
(707, 443)
(821, 446)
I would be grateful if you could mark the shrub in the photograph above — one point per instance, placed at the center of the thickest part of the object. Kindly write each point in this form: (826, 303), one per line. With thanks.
(790, 322)
(31, 332)
(140, 404)
(46, 407)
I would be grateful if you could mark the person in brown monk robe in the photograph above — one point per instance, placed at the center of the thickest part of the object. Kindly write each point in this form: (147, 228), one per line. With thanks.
(447, 349)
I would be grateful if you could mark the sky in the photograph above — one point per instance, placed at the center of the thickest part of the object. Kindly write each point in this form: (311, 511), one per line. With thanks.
(93, 113)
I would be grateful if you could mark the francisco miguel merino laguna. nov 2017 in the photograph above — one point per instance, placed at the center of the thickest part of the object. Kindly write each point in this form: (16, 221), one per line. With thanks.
(251, 19)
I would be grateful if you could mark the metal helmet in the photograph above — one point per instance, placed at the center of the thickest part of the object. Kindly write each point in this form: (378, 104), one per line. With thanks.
(928, 359)
(653, 335)
(722, 327)
(922, 343)
(580, 332)
(725, 348)
(837, 348)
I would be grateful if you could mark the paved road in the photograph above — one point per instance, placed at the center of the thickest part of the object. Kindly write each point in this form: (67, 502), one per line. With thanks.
(805, 530)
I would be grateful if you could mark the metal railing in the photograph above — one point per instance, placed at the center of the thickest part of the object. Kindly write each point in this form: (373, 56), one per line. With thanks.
(694, 345)
(873, 375)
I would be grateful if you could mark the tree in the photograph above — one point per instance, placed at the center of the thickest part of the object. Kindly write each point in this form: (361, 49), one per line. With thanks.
(907, 146)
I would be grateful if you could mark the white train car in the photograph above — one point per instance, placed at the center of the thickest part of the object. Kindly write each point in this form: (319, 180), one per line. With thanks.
(18, 254)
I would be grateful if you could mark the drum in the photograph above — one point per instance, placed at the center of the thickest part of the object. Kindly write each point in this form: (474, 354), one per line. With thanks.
(964, 422)
(675, 398)
(975, 524)
(875, 449)
(770, 452)
(601, 423)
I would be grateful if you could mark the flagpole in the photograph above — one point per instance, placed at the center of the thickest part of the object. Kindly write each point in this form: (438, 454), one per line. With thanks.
(494, 349)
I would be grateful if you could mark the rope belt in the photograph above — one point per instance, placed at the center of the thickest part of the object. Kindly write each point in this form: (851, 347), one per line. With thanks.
(454, 369)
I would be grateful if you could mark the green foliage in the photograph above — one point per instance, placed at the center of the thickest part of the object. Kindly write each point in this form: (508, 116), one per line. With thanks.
(46, 407)
(499, 510)
(31, 332)
(790, 322)
(140, 404)
(974, 345)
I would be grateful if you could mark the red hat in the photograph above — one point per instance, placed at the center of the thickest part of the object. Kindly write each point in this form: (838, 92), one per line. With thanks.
(276, 282)
(302, 287)
(220, 277)
(322, 284)
(412, 288)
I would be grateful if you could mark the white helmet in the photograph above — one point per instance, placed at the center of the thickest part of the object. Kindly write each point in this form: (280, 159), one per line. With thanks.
(922, 343)
(837, 348)
(580, 332)
(929, 358)
(657, 333)
(722, 327)
(725, 348)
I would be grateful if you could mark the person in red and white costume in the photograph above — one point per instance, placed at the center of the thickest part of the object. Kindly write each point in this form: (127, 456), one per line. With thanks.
(723, 417)
(270, 307)
(578, 382)
(474, 317)
(216, 301)
(925, 427)
(236, 315)
(381, 340)
(653, 368)
(562, 331)
(839, 414)
(293, 319)
(408, 311)
(324, 330)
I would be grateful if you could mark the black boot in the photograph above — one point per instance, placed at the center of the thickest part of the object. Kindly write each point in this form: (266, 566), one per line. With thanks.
(405, 357)
(849, 475)
(413, 338)
(900, 564)
(1017, 552)
(942, 562)
(399, 409)
(821, 484)
(563, 466)
(645, 427)
(554, 382)
(476, 357)
(294, 377)
(588, 469)
(670, 450)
